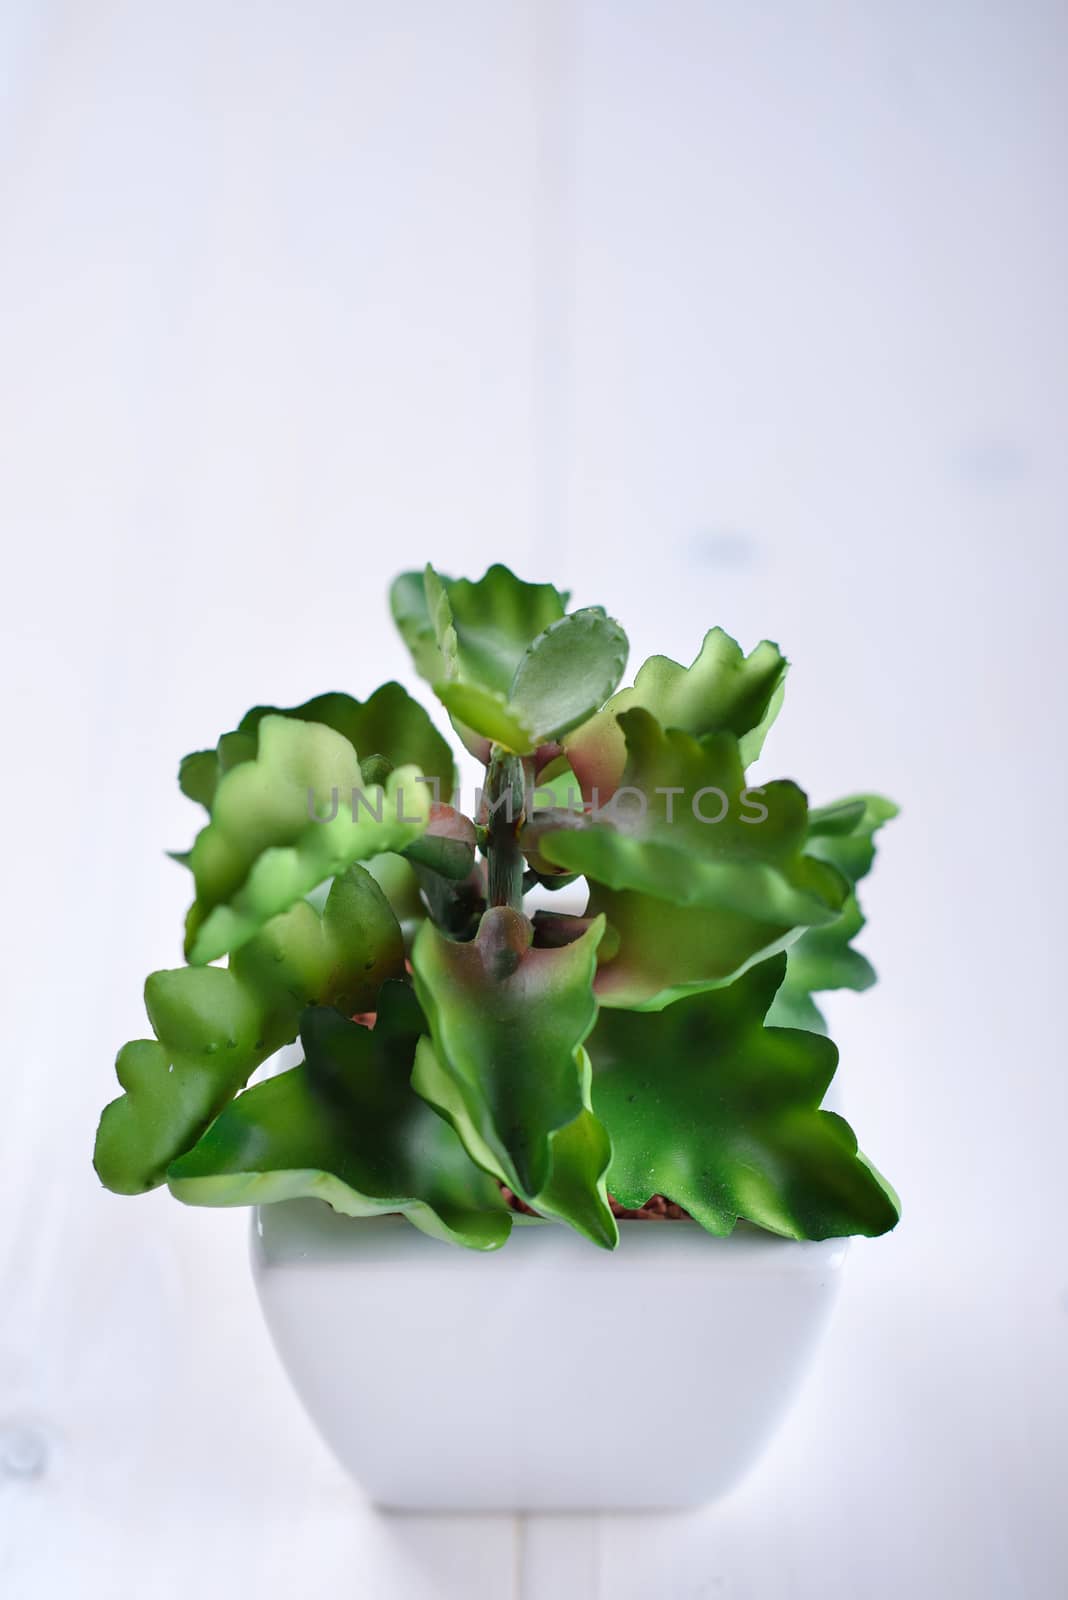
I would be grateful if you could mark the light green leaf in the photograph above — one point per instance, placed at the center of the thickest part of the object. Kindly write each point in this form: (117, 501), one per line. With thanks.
(486, 712)
(478, 632)
(347, 1127)
(508, 1023)
(262, 851)
(723, 691)
(824, 958)
(495, 621)
(215, 1025)
(503, 659)
(417, 625)
(683, 827)
(389, 724)
(567, 672)
(199, 773)
(710, 1108)
(397, 879)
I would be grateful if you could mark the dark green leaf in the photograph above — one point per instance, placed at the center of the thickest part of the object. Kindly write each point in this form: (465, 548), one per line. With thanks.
(347, 1127)
(707, 1106)
(508, 1023)
(447, 846)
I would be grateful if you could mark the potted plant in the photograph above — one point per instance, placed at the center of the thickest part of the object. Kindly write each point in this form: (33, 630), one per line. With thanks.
(645, 1070)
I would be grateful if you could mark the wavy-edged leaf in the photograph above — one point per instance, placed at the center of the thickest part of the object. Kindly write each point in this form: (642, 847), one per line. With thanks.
(502, 657)
(575, 1190)
(496, 618)
(474, 630)
(214, 1026)
(199, 773)
(262, 851)
(707, 1106)
(508, 1023)
(664, 951)
(683, 827)
(723, 691)
(823, 958)
(389, 724)
(346, 1127)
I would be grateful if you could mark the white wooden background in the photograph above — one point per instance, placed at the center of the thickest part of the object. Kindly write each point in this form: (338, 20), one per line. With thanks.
(720, 312)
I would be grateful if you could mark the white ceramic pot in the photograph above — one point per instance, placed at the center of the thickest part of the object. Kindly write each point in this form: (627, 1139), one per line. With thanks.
(548, 1375)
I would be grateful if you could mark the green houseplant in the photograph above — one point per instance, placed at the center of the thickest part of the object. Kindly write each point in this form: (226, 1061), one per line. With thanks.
(494, 1070)
(465, 1062)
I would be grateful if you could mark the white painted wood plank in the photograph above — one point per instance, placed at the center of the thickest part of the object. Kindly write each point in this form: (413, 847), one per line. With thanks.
(558, 1556)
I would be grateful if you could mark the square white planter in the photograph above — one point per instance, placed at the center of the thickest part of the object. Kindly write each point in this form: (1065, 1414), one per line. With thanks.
(548, 1375)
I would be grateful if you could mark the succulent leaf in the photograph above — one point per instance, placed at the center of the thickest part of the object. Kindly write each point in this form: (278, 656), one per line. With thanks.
(706, 1105)
(663, 951)
(215, 1025)
(507, 1023)
(824, 958)
(389, 724)
(262, 850)
(723, 691)
(567, 672)
(690, 832)
(346, 1127)
(503, 658)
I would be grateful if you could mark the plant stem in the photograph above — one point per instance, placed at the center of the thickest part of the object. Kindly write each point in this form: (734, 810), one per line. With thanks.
(504, 817)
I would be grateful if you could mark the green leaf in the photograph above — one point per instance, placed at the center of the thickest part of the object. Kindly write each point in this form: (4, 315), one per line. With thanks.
(496, 619)
(824, 958)
(567, 672)
(723, 691)
(474, 631)
(447, 846)
(417, 625)
(199, 773)
(683, 827)
(262, 851)
(347, 1127)
(664, 951)
(397, 879)
(215, 1025)
(710, 1108)
(502, 657)
(389, 724)
(507, 1068)
(488, 713)
(575, 1190)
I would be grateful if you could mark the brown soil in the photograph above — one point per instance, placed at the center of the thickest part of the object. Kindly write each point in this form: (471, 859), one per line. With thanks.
(655, 1209)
